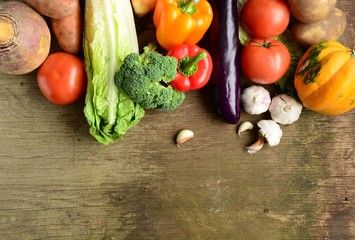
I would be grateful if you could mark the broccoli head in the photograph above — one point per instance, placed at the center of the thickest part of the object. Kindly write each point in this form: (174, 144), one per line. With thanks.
(145, 79)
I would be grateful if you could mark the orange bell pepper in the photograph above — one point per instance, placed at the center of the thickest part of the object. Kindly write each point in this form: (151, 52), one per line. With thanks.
(181, 21)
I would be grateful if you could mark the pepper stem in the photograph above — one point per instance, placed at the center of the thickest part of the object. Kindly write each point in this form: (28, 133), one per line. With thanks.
(188, 6)
(188, 66)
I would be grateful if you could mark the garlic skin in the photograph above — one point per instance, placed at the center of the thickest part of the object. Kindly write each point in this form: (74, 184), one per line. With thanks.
(271, 131)
(285, 109)
(257, 146)
(255, 99)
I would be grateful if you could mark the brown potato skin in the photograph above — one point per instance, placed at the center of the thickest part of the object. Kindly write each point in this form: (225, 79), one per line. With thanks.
(308, 11)
(30, 45)
(68, 31)
(329, 28)
(57, 9)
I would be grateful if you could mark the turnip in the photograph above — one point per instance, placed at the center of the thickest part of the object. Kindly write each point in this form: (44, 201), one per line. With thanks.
(24, 38)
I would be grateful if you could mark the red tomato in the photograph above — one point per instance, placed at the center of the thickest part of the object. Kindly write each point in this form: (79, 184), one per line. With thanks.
(264, 61)
(265, 18)
(62, 78)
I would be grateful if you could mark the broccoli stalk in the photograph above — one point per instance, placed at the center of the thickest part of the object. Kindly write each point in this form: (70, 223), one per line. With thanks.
(145, 79)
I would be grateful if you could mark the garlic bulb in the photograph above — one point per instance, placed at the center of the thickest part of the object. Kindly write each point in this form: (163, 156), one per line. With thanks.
(285, 109)
(255, 99)
(271, 131)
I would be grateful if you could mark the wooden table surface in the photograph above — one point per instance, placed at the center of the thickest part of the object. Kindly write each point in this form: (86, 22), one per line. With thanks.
(58, 182)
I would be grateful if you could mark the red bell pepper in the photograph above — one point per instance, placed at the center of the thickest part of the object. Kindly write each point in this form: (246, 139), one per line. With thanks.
(194, 67)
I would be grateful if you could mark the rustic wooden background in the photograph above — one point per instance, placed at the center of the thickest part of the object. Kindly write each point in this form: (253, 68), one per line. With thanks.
(57, 182)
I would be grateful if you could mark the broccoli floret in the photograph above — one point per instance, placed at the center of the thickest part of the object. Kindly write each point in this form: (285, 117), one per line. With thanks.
(145, 79)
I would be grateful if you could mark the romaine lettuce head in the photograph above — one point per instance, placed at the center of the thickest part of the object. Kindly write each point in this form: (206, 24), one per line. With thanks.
(109, 36)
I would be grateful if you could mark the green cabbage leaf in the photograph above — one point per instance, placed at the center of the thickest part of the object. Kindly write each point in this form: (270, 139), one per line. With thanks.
(109, 36)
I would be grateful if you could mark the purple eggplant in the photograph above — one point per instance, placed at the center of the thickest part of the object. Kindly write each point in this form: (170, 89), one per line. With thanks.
(224, 47)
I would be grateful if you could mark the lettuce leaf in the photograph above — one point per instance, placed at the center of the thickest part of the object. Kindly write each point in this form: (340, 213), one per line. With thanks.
(109, 36)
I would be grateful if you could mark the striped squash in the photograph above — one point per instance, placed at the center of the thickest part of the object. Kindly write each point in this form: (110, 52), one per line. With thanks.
(325, 78)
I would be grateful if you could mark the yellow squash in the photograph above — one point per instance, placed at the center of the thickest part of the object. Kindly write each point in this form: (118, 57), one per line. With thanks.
(325, 78)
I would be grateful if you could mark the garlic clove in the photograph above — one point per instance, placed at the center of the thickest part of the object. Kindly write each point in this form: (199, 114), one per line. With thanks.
(271, 131)
(244, 126)
(183, 136)
(258, 145)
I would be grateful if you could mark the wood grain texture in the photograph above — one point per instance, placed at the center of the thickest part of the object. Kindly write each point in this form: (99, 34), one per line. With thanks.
(57, 182)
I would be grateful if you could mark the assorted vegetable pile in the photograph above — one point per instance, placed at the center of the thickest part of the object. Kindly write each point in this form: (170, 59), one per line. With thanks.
(291, 44)
(314, 72)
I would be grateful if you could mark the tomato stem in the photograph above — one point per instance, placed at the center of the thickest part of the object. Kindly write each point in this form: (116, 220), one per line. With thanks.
(264, 44)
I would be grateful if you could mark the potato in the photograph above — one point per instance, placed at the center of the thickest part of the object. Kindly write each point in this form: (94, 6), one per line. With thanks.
(329, 28)
(68, 31)
(143, 7)
(57, 9)
(308, 11)
(24, 38)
